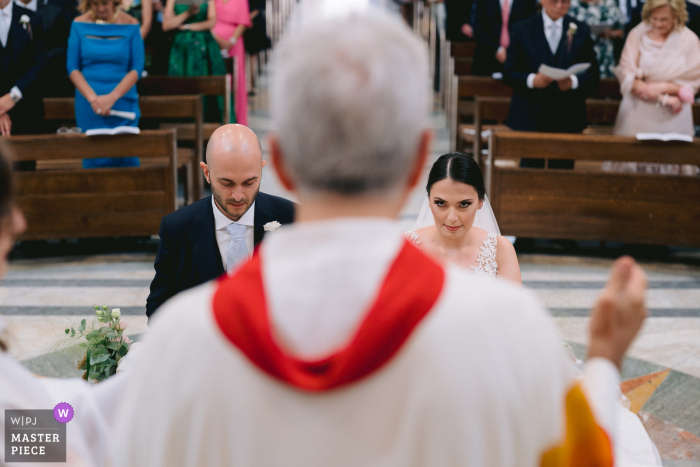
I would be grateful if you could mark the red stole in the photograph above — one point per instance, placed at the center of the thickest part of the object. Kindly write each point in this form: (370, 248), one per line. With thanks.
(410, 289)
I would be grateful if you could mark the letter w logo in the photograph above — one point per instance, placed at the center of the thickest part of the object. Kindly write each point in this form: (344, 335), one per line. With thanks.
(63, 413)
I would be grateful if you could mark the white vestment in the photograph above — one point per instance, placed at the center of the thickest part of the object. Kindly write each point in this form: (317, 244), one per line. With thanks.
(88, 434)
(481, 381)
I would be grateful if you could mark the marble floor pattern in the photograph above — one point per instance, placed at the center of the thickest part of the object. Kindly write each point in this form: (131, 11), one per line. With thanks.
(41, 297)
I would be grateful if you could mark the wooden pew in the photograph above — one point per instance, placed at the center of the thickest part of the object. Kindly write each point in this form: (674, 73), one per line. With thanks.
(601, 116)
(219, 85)
(568, 204)
(463, 54)
(154, 107)
(470, 87)
(78, 203)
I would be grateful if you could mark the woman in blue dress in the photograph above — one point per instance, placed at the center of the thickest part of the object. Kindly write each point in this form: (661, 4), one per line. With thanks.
(105, 60)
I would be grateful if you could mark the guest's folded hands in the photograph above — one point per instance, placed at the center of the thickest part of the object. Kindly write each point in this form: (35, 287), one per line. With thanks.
(101, 105)
(541, 81)
(5, 125)
(6, 103)
(619, 312)
(564, 83)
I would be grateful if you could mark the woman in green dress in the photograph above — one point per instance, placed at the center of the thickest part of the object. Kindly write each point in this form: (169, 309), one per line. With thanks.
(194, 51)
(599, 12)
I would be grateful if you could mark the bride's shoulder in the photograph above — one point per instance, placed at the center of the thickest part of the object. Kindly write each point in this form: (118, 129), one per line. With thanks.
(417, 236)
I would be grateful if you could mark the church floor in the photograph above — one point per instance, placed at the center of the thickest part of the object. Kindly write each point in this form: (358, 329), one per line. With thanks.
(53, 286)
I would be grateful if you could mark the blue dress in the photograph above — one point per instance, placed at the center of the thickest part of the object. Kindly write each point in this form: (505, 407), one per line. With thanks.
(105, 53)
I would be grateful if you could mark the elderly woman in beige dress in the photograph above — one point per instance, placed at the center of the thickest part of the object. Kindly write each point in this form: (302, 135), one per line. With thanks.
(659, 75)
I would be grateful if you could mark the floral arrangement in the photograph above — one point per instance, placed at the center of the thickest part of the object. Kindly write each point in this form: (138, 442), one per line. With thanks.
(105, 344)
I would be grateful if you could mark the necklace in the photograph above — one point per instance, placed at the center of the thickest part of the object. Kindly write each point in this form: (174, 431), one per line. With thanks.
(101, 21)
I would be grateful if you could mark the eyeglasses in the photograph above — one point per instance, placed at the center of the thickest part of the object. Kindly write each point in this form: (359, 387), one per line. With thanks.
(64, 130)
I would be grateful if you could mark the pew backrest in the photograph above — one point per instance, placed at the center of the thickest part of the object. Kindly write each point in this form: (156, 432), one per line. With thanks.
(579, 205)
(78, 203)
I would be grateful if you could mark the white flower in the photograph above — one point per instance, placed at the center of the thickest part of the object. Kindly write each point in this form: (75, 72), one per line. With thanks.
(24, 20)
(116, 313)
(573, 27)
(271, 226)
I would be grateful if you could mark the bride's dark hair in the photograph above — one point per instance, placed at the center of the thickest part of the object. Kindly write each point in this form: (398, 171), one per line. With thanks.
(460, 168)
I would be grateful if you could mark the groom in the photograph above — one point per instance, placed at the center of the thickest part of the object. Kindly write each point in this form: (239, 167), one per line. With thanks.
(203, 240)
(349, 346)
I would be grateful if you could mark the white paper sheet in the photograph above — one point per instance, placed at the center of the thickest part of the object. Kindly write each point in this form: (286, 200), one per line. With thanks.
(558, 73)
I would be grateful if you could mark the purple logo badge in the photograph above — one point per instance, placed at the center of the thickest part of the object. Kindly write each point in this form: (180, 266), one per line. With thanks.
(63, 412)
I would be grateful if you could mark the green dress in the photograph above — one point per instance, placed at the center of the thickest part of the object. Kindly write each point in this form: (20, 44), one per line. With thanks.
(196, 53)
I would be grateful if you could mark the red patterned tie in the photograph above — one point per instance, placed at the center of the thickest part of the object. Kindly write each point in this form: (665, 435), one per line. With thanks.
(505, 14)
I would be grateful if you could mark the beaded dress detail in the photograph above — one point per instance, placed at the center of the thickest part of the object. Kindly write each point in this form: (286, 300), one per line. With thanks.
(486, 262)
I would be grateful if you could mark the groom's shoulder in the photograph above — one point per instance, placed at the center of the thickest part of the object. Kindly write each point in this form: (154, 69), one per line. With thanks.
(284, 207)
(187, 216)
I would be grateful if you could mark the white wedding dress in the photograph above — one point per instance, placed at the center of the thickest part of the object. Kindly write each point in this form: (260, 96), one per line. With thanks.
(486, 264)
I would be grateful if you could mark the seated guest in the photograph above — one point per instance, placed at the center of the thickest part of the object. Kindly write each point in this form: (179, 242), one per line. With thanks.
(597, 12)
(105, 60)
(492, 25)
(458, 18)
(540, 103)
(21, 61)
(194, 51)
(341, 344)
(201, 241)
(659, 75)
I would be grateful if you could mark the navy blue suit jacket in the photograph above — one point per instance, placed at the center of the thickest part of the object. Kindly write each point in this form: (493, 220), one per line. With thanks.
(549, 109)
(26, 59)
(487, 31)
(188, 254)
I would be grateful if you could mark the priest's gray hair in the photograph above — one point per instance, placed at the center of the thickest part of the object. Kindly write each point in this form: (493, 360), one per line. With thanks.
(350, 98)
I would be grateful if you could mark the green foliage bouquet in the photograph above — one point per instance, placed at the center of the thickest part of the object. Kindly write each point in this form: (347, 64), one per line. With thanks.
(106, 344)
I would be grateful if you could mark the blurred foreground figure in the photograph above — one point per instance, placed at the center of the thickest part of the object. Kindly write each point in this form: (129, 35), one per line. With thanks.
(350, 347)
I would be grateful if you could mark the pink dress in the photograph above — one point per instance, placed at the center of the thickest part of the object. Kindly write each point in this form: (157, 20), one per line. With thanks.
(229, 15)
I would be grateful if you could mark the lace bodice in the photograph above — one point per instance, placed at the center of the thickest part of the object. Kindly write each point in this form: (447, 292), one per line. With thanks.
(486, 264)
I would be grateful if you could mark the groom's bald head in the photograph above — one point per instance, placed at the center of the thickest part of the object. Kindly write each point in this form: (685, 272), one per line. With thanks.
(234, 168)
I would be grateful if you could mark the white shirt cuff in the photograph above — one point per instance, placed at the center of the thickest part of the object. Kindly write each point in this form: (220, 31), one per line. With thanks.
(601, 383)
(531, 81)
(16, 92)
(574, 82)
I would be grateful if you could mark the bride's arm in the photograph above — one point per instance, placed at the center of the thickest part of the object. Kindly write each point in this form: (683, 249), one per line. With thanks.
(508, 267)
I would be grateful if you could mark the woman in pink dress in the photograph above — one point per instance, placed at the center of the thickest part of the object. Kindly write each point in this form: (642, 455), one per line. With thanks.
(232, 18)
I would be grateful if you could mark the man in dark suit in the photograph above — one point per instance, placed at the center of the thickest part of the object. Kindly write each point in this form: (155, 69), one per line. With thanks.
(458, 18)
(492, 39)
(21, 60)
(540, 103)
(215, 234)
(55, 24)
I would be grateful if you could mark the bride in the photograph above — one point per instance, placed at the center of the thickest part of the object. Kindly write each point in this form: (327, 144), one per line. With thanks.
(457, 224)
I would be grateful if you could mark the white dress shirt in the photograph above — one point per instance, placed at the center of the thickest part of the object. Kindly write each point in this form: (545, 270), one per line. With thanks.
(223, 238)
(32, 5)
(552, 31)
(5, 23)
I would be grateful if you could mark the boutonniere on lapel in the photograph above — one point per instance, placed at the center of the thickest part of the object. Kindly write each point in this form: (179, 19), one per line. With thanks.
(271, 226)
(570, 35)
(24, 21)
